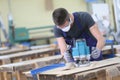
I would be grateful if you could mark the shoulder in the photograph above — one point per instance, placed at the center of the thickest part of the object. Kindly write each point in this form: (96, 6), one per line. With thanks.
(85, 19)
(56, 30)
(83, 14)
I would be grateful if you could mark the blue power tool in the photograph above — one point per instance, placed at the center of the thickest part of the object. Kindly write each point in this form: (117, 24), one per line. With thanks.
(81, 53)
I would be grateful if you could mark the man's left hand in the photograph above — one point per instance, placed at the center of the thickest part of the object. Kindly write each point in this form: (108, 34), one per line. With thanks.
(96, 53)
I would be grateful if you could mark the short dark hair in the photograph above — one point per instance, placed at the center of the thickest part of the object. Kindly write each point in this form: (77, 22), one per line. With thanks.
(60, 15)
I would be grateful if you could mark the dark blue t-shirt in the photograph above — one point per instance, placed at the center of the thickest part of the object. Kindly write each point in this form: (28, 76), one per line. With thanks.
(86, 22)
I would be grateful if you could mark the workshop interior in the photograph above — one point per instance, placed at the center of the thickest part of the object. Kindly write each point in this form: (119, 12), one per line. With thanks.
(29, 49)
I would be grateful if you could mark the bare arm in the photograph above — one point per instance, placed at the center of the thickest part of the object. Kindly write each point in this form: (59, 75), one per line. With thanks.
(62, 45)
(97, 34)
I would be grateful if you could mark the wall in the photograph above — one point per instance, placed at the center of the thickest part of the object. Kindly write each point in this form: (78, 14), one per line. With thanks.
(32, 13)
(3, 14)
(112, 18)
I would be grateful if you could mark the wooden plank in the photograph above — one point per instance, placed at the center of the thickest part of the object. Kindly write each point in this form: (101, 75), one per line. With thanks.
(108, 50)
(62, 72)
(89, 75)
(5, 74)
(109, 47)
(20, 76)
(94, 65)
(21, 49)
(6, 61)
(95, 74)
(22, 65)
(13, 50)
(41, 46)
(27, 65)
(1, 76)
(113, 73)
(27, 53)
(17, 57)
(3, 48)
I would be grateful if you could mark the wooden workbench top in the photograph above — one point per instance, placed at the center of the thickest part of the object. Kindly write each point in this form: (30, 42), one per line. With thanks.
(26, 53)
(94, 65)
(21, 65)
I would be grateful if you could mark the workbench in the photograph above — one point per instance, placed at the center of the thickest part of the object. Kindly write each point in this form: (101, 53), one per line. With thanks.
(106, 48)
(96, 71)
(23, 66)
(22, 56)
(26, 66)
(21, 48)
(5, 59)
(99, 70)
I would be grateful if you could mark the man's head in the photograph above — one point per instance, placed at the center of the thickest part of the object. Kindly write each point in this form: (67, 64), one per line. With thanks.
(60, 15)
(62, 19)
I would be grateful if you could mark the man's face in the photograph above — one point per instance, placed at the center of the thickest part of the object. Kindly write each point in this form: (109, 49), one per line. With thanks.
(66, 26)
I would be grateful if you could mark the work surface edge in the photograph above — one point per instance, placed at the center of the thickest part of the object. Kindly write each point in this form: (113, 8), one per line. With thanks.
(94, 65)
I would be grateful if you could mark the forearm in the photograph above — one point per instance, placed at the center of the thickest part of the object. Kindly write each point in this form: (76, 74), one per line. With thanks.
(97, 34)
(62, 45)
(63, 49)
(100, 43)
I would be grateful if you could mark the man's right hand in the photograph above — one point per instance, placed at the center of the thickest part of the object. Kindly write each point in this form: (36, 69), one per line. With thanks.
(68, 57)
(69, 60)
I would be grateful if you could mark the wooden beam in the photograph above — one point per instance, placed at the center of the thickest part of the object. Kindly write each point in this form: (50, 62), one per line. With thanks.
(21, 66)
(13, 50)
(28, 65)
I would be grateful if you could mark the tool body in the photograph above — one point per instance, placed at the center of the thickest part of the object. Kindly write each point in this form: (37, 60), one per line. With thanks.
(81, 53)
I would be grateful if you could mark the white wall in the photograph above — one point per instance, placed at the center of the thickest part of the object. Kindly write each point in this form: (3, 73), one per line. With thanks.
(32, 13)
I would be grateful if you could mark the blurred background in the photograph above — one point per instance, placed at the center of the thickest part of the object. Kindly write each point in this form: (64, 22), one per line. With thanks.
(31, 20)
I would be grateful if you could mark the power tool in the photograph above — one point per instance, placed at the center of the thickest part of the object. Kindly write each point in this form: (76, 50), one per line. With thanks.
(81, 53)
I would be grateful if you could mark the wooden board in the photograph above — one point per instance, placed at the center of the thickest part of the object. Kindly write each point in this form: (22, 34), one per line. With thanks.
(105, 73)
(109, 47)
(97, 71)
(21, 66)
(13, 50)
(113, 73)
(22, 48)
(26, 53)
(89, 75)
(61, 71)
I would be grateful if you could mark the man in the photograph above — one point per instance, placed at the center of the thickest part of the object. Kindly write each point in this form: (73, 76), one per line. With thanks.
(70, 27)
